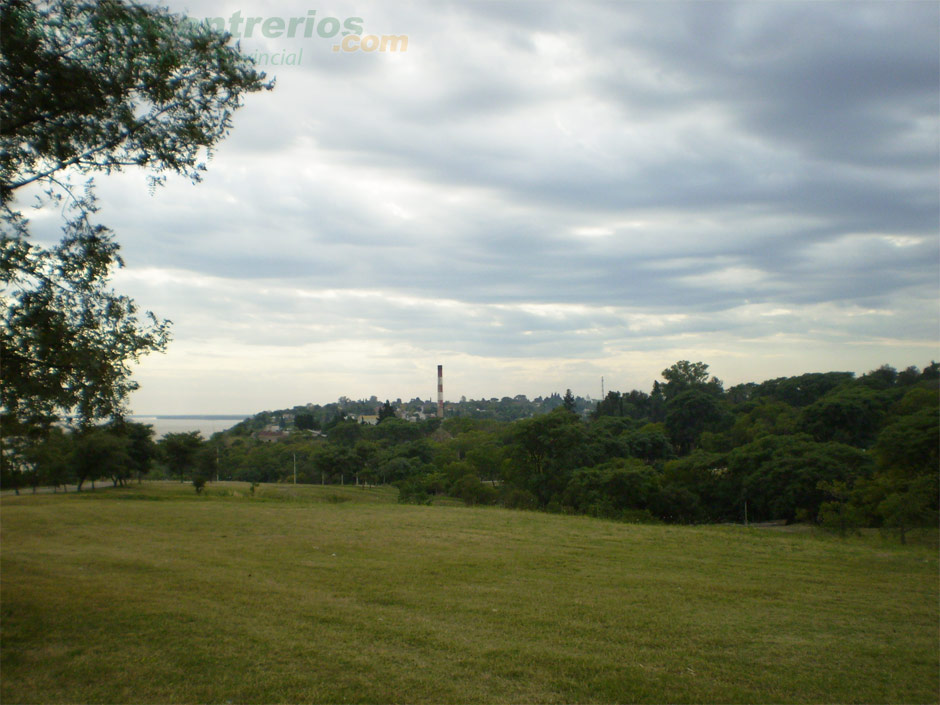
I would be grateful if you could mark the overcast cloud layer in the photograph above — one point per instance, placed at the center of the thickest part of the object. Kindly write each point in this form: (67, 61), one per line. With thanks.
(536, 195)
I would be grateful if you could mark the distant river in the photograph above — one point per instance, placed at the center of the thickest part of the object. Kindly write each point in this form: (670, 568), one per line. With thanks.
(206, 425)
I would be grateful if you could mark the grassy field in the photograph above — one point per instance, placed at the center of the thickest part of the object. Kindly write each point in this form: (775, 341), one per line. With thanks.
(308, 594)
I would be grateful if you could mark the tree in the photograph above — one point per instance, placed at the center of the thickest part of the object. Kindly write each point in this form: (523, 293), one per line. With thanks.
(386, 411)
(803, 389)
(99, 453)
(908, 446)
(345, 432)
(66, 339)
(204, 466)
(657, 403)
(705, 476)
(838, 514)
(49, 459)
(472, 491)
(910, 505)
(884, 377)
(141, 449)
(333, 461)
(851, 414)
(306, 422)
(611, 405)
(179, 451)
(611, 488)
(544, 450)
(688, 414)
(762, 417)
(568, 401)
(649, 445)
(686, 375)
(88, 87)
(780, 476)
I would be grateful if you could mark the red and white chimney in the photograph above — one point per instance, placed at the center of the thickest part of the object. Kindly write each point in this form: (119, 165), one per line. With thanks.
(440, 391)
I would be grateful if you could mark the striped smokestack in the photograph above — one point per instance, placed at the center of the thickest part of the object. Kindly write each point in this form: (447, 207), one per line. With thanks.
(440, 391)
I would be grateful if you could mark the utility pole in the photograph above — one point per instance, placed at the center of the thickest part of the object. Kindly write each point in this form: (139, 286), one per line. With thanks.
(295, 468)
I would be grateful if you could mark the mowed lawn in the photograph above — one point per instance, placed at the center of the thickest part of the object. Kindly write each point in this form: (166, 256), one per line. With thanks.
(308, 594)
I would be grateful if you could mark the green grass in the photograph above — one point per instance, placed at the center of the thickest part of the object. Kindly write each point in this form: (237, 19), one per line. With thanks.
(327, 594)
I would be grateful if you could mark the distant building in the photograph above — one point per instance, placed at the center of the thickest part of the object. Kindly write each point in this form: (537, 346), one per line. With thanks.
(368, 419)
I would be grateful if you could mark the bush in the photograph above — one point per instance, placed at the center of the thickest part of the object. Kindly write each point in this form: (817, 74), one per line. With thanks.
(515, 498)
(840, 517)
(472, 491)
(413, 491)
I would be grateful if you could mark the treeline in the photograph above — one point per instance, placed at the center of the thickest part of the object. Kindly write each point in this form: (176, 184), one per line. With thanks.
(322, 417)
(821, 447)
(831, 448)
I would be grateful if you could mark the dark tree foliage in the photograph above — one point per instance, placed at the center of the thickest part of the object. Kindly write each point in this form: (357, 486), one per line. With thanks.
(611, 405)
(306, 422)
(688, 414)
(685, 375)
(386, 411)
(851, 414)
(346, 432)
(612, 488)
(635, 405)
(337, 462)
(105, 84)
(779, 476)
(142, 449)
(67, 340)
(179, 452)
(568, 401)
(649, 445)
(910, 504)
(884, 377)
(657, 403)
(761, 418)
(706, 477)
(48, 459)
(801, 390)
(99, 453)
(545, 450)
(909, 446)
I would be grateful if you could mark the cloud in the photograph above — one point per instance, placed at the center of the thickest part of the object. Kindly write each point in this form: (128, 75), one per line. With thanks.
(538, 194)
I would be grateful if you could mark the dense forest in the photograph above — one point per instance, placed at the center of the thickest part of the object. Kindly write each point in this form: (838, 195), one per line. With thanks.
(831, 448)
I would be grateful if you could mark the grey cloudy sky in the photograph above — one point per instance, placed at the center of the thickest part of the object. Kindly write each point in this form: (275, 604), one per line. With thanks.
(539, 194)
